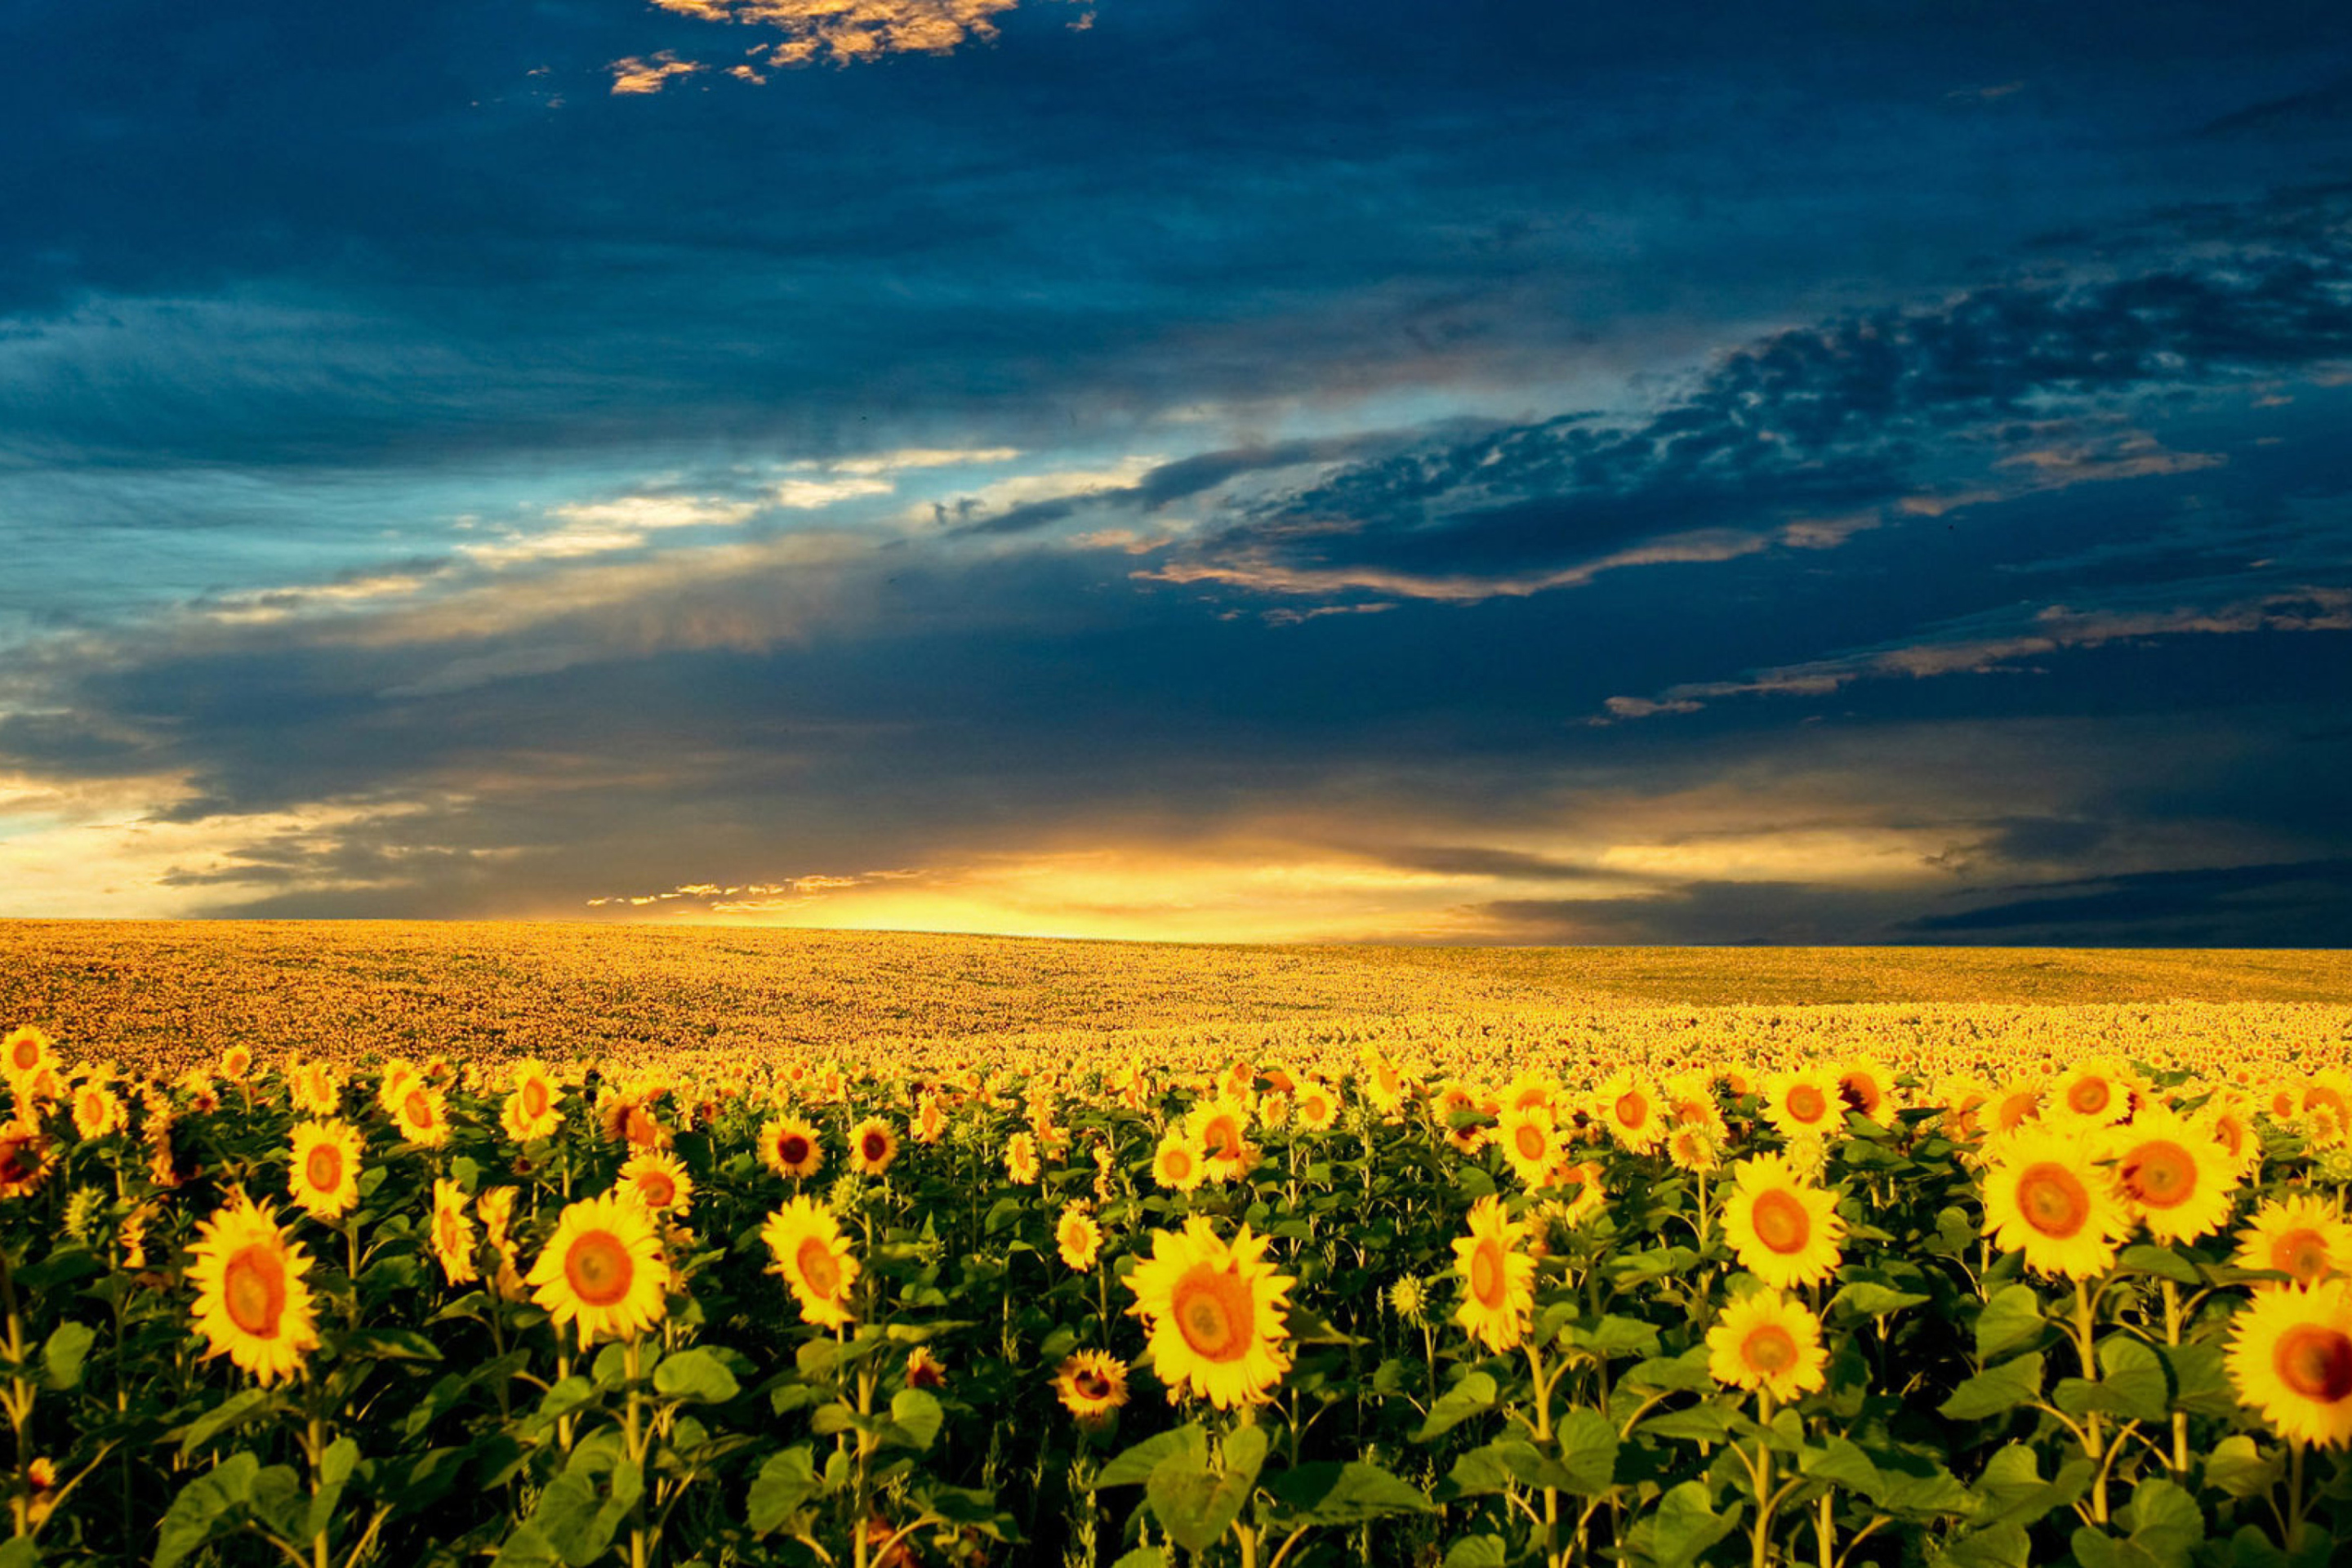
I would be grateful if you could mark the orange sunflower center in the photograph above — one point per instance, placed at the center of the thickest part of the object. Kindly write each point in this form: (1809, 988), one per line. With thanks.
(2302, 1252)
(417, 1106)
(1489, 1281)
(1807, 1103)
(26, 1055)
(657, 1188)
(1214, 1312)
(1180, 1164)
(819, 1270)
(2161, 1173)
(598, 1268)
(253, 1290)
(1782, 1223)
(1632, 1108)
(793, 1148)
(2018, 1108)
(2054, 1199)
(322, 1167)
(1533, 1144)
(534, 1098)
(1860, 1093)
(876, 1147)
(2315, 1361)
(1222, 1138)
(447, 1235)
(1769, 1349)
(2088, 1096)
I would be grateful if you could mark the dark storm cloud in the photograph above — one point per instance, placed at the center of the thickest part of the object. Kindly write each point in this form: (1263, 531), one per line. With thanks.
(2305, 903)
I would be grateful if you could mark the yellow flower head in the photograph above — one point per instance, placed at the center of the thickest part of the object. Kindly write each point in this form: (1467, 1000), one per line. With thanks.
(1498, 1277)
(2043, 1196)
(2175, 1180)
(602, 1270)
(1578, 1181)
(1219, 1129)
(1529, 1143)
(1077, 1237)
(1632, 1110)
(252, 1303)
(535, 1108)
(422, 1113)
(2095, 1092)
(1217, 1314)
(325, 1169)
(872, 1146)
(453, 1234)
(1805, 1102)
(97, 1110)
(1091, 1385)
(1317, 1108)
(930, 1119)
(318, 1089)
(2291, 1357)
(658, 1180)
(789, 1147)
(814, 1256)
(27, 1051)
(1021, 1158)
(2300, 1235)
(1769, 1343)
(1177, 1163)
(1785, 1230)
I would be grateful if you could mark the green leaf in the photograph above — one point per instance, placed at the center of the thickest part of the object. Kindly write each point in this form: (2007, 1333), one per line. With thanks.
(2011, 1320)
(202, 1506)
(335, 1467)
(918, 1416)
(1686, 1524)
(1475, 1552)
(1195, 1504)
(228, 1413)
(2200, 1382)
(18, 1551)
(1687, 1371)
(1587, 1451)
(1996, 1389)
(1144, 1557)
(1993, 1546)
(62, 1356)
(1842, 1463)
(1699, 1424)
(389, 1345)
(696, 1374)
(1615, 1336)
(1134, 1467)
(1474, 1395)
(1873, 1300)
(2238, 1466)
(2165, 1521)
(1351, 1493)
(786, 1482)
(2162, 1262)
(1495, 1467)
(2131, 1384)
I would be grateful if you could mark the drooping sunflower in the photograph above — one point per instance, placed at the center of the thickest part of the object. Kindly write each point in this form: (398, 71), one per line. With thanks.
(602, 1270)
(2175, 1179)
(2015, 1108)
(97, 1110)
(1865, 1086)
(1176, 1162)
(1091, 1385)
(1220, 1128)
(325, 1172)
(2300, 1235)
(1217, 1313)
(1468, 1139)
(1077, 1237)
(253, 1304)
(2044, 1196)
(1769, 1343)
(317, 1088)
(535, 1108)
(496, 1207)
(1579, 1182)
(422, 1114)
(454, 1236)
(814, 1258)
(931, 1119)
(1529, 1143)
(1804, 1100)
(789, 1147)
(1785, 1229)
(659, 1180)
(1497, 1276)
(2229, 1120)
(1380, 1082)
(872, 1146)
(2291, 1357)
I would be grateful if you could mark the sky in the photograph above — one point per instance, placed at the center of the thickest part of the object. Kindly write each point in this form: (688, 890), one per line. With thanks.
(1556, 473)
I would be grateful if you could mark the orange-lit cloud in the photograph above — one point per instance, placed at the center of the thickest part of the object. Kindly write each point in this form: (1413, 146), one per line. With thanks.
(632, 75)
(842, 31)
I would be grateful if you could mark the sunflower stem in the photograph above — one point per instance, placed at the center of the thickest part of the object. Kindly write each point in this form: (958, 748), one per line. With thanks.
(2172, 1337)
(2087, 1349)
(1760, 1552)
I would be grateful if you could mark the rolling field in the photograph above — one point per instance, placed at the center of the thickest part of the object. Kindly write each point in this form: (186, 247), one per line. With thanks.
(437, 1245)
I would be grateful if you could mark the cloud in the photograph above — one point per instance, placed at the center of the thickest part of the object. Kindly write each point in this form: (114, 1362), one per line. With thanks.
(632, 75)
(845, 31)
(2302, 903)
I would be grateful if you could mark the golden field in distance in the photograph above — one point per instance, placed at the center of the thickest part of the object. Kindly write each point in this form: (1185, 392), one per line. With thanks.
(170, 995)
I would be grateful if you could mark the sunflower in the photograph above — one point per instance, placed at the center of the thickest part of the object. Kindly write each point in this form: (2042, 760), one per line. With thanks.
(25, 1159)
(789, 1147)
(2043, 1195)
(872, 1146)
(325, 1172)
(2095, 1092)
(2291, 1356)
(1785, 1229)
(2175, 1179)
(2017, 1107)
(603, 1269)
(28, 1050)
(1318, 1108)
(1217, 1314)
(1380, 1082)
(1768, 1342)
(1499, 1277)
(1468, 1139)
(1021, 1158)
(1578, 1181)
(1806, 1100)
(453, 1234)
(2298, 1236)
(318, 1089)
(1692, 1147)
(1529, 1143)
(1091, 1385)
(1219, 1127)
(931, 1119)
(1862, 1085)
(1533, 1089)
(252, 1303)
(1077, 1237)
(422, 1113)
(2229, 1120)
(1631, 1112)
(1274, 1110)
(496, 1207)
(97, 1110)
(1176, 1163)
(814, 1256)
(535, 1108)
(658, 1180)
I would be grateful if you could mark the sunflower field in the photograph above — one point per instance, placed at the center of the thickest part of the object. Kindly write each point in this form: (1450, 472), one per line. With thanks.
(1997, 1306)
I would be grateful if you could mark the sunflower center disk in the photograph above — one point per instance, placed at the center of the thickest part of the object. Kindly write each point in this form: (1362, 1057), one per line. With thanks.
(1531, 1141)
(324, 1168)
(1214, 1313)
(2161, 1174)
(1489, 1280)
(1770, 1350)
(818, 1269)
(2301, 1253)
(1805, 1103)
(2316, 1363)
(253, 1290)
(534, 1098)
(599, 1268)
(2088, 1097)
(2054, 1199)
(1781, 1222)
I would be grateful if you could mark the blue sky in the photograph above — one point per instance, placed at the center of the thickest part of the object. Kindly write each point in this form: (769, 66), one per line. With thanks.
(1528, 473)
